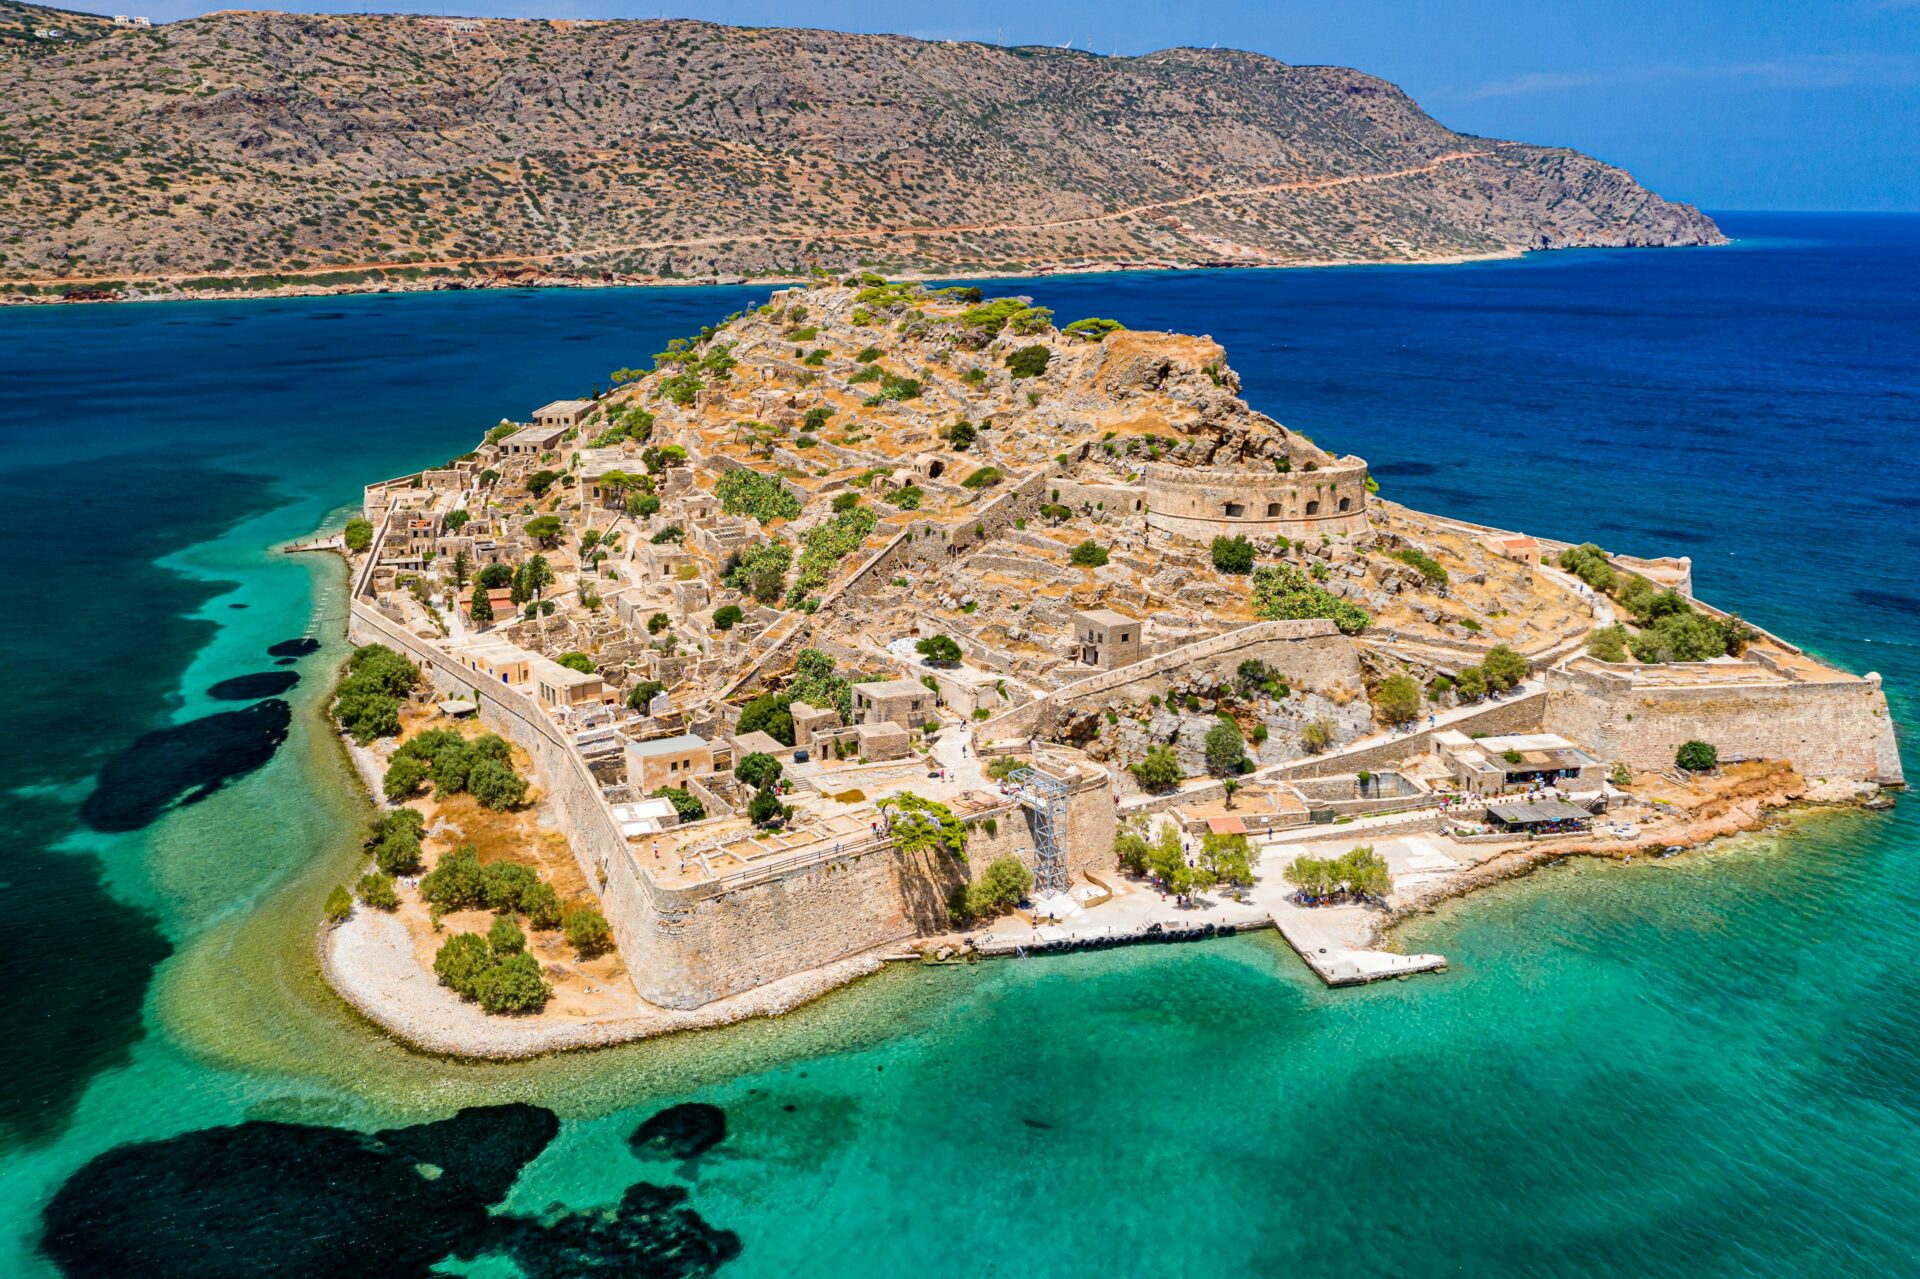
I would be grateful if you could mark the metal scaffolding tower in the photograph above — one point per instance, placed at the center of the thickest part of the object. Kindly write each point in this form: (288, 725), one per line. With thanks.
(1046, 798)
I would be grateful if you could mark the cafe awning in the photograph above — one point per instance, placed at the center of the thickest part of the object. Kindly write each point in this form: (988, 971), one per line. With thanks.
(1537, 812)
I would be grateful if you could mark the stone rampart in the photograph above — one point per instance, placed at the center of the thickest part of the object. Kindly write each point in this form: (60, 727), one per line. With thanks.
(1830, 728)
(690, 946)
(1310, 652)
(1201, 505)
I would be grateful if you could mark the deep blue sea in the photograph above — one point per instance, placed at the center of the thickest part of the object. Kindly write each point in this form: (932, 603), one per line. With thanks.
(1708, 1066)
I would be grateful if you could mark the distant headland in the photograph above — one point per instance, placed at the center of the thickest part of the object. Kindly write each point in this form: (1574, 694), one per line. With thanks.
(245, 153)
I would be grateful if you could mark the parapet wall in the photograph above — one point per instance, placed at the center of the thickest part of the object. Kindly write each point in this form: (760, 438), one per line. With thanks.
(1204, 504)
(1311, 652)
(1836, 728)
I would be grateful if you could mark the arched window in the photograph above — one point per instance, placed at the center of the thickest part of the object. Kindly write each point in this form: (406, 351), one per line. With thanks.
(1313, 507)
(934, 471)
(1273, 509)
(1345, 502)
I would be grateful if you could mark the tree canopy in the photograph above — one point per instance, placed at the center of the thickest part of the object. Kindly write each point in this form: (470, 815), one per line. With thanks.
(922, 825)
(939, 650)
(1159, 769)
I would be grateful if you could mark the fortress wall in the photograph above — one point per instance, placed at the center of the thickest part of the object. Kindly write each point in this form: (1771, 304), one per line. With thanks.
(1115, 499)
(1840, 728)
(709, 944)
(1311, 652)
(1193, 503)
(687, 947)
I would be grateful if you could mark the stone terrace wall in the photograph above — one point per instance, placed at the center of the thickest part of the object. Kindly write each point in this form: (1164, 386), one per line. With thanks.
(1840, 728)
(1523, 714)
(928, 543)
(1310, 652)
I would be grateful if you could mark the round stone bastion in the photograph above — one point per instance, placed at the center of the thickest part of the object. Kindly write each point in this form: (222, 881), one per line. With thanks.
(1205, 504)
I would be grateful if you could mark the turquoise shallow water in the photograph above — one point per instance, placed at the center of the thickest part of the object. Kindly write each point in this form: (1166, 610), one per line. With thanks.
(1702, 1066)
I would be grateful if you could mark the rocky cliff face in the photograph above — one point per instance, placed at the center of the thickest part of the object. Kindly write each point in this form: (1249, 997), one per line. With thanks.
(251, 142)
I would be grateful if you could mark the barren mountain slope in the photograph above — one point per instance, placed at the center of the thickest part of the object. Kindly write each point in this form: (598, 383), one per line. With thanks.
(268, 142)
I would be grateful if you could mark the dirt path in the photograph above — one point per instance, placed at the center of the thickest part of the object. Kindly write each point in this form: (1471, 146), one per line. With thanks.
(817, 233)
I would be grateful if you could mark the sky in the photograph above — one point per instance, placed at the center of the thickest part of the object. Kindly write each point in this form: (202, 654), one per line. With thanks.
(1752, 104)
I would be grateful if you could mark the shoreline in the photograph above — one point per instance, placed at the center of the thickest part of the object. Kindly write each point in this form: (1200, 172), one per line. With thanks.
(462, 284)
(1745, 817)
(369, 961)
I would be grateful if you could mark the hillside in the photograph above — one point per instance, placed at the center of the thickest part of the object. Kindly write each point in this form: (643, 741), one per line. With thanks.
(250, 143)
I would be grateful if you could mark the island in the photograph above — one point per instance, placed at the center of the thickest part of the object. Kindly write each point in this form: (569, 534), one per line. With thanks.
(892, 622)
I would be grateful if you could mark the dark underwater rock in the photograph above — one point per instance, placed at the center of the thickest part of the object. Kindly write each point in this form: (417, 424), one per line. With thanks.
(683, 1131)
(251, 688)
(294, 648)
(183, 764)
(267, 1200)
(272, 1199)
(653, 1233)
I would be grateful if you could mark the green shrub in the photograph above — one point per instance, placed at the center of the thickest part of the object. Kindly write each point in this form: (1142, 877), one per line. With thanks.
(1589, 563)
(513, 985)
(504, 937)
(686, 806)
(504, 885)
(587, 932)
(1226, 749)
(367, 700)
(985, 477)
(1089, 554)
(1002, 885)
(404, 777)
(339, 907)
(726, 617)
(1504, 668)
(1360, 872)
(1029, 361)
(1471, 683)
(768, 713)
(1282, 591)
(576, 661)
(358, 534)
(542, 907)
(1159, 769)
(1397, 699)
(460, 961)
(764, 807)
(1429, 568)
(758, 770)
(1317, 735)
(1233, 554)
(495, 784)
(1608, 643)
(456, 883)
(753, 493)
(376, 890)
(1697, 756)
